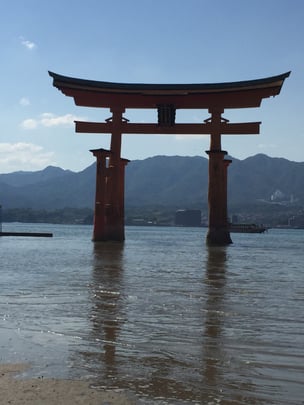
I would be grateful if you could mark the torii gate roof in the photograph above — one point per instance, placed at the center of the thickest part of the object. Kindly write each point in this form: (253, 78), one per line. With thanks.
(242, 94)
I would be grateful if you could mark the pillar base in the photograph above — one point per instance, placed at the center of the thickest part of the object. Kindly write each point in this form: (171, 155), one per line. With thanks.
(218, 237)
(108, 239)
(114, 234)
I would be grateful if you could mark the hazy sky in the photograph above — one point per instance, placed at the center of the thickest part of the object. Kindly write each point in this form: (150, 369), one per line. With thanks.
(148, 41)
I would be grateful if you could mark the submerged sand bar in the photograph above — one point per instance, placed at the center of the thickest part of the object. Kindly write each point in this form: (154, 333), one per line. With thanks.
(46, 391)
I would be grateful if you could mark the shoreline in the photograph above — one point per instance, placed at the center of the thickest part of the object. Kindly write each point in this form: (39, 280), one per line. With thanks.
(52, 391)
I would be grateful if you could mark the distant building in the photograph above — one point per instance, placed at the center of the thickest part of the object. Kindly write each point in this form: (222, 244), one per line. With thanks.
(188, 218)
(278, 195)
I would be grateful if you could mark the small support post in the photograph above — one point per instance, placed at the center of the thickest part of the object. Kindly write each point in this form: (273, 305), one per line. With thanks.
(218, 231)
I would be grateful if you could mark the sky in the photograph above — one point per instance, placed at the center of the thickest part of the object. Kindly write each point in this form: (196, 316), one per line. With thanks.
(144, 41)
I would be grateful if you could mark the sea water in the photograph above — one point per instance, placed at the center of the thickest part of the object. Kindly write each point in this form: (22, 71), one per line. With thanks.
(160, 315)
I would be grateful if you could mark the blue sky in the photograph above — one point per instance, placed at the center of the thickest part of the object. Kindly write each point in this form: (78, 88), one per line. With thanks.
(148, 41)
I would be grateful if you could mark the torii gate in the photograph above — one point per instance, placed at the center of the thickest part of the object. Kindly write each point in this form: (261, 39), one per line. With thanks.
(166, 99)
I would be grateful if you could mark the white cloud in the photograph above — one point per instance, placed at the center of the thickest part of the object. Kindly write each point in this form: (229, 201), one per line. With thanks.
(23, 156)
(50, 120)
(28, 44)
(24, 101)
(29, 124)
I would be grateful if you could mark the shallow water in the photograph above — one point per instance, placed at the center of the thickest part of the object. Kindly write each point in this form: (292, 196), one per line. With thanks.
(161, 314)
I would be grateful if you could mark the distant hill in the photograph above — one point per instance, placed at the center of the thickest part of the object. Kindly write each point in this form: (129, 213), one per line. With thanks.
(167, 181)
(268, 179)
(21, 178)
(175, 181)
(51, 188)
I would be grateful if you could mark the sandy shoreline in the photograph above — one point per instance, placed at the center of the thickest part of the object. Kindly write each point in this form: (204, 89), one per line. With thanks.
(48, 391)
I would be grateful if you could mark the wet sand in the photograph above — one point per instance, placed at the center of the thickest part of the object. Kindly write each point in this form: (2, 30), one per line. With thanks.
(15, 391)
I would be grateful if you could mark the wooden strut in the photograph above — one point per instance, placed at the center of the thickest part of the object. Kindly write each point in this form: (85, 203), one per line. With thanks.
(178, 129)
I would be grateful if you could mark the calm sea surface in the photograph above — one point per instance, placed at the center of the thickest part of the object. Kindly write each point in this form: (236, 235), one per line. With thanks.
(160, 315)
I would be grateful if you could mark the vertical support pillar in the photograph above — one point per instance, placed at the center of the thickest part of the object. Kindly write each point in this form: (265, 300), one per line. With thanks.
(225, 195)
(115, 213)
(121, 199)
(218, 231)
(109, 198)
(100, 229)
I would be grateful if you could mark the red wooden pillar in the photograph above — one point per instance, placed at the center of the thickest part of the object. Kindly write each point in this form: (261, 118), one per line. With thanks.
(109, 197)
(121, 200)
(100, 230)
(218, 230)
(115, 209)
(226, 163)
(110, 174)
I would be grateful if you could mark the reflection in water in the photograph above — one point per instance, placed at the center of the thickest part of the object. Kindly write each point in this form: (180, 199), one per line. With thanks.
(160, 337)
(218, 371)
(107, 311)
(159, 367)
(216, 280)
(160, 315)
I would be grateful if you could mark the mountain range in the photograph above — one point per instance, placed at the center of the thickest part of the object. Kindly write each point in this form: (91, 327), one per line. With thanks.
(164, 181)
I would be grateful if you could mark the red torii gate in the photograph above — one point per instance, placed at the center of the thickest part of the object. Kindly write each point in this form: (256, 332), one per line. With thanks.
(166, 99)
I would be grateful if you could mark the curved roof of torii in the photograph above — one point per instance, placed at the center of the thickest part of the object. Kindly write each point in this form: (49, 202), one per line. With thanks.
(240, 94)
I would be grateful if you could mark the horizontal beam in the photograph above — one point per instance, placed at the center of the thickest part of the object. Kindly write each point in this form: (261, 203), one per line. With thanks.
(242, 94)
(177, 129)
(235, 99)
